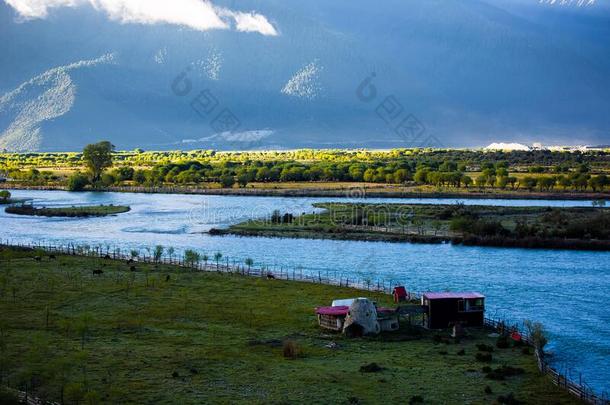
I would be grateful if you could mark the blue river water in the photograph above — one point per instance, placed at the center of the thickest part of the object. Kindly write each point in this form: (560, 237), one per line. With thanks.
(568, 291)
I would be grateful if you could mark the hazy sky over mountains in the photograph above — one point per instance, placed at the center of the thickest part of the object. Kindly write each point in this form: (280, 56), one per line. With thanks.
(283, 74)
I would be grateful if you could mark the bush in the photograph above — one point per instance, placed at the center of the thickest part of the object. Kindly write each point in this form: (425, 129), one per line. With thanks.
(371, 368)
(509, 399)
(502, 342)
(484, 348)
(8, 398)
(77, 182)
(291, 350)
(416, 399)
(501, 373)
(227, 181)
(537, 334)
(484, 357)
(5, 195)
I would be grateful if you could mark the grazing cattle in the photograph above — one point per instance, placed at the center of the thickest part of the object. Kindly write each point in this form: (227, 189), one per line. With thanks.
(167, 278)
(37, 258)
(270, 277)
(97, 272)
(129, 261)
(52, 257)
(132, 268)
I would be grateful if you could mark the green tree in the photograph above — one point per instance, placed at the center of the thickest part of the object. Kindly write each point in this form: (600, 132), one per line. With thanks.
(217, 257)
(97, 158)
(529, 182)
(158, 253)
(191, 257)
(249, 262)
(139, 177)
(227, 181)
(242, 180)
(5, 195)
(77, 182)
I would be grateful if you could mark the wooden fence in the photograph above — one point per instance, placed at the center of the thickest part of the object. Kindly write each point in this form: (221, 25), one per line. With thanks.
(226, 265)
(578, 389)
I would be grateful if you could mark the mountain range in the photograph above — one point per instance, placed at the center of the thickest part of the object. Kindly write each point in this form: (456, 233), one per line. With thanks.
(277, 74)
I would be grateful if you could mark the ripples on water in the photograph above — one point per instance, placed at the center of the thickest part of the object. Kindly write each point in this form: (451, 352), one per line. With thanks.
(568, 291)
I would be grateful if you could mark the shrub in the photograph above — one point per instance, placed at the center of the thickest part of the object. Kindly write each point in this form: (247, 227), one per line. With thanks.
(484, 357)
(509, 399)
(488, 390)
(485, 348)
(501, 373)
(77, 182)
(227, 181)
(5, 195)
(291, 350)
(7, 397)
(371, 368)
(502, 342)
(416, 399)
(537, 334)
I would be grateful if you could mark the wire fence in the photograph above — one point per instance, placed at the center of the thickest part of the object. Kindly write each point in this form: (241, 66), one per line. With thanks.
(223, 264)
(578, 389)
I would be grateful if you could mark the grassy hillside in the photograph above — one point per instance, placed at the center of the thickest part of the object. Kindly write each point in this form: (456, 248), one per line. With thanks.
(163, 334)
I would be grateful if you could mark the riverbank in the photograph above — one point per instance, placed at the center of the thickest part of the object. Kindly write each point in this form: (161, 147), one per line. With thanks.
(78, 212)
(522, 227)
(166, 334)
(351, 191)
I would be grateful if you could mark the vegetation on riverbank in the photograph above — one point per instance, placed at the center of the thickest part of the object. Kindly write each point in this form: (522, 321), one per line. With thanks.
(414, 170)
(86, 330)
(534, 227)
(74, 211)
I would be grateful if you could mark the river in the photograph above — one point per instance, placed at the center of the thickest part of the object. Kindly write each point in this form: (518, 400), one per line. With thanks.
(568, 291)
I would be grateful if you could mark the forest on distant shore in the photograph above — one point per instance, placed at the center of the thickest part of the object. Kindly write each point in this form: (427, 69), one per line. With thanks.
(539, 170)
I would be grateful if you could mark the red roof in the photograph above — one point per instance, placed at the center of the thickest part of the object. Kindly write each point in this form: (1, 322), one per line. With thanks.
(400, 291)
(446, 295)
(343, 310)
(336, 311)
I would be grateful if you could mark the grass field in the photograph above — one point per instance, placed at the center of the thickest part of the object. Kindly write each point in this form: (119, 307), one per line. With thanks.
(573, 228)
(166, 335)
(80, 211)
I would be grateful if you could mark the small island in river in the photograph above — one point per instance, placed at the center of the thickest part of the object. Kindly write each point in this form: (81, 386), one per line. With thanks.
(527, 227)
(74, 211)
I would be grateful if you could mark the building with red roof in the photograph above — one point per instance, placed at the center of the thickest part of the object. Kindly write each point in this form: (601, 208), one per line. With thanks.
(446, 309)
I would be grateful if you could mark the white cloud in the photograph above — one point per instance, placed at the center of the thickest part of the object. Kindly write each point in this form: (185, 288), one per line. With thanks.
(200, 15)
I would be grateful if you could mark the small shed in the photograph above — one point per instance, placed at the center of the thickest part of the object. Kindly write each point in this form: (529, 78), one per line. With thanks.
(446, 309)
(400, 294)
(333, 318)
